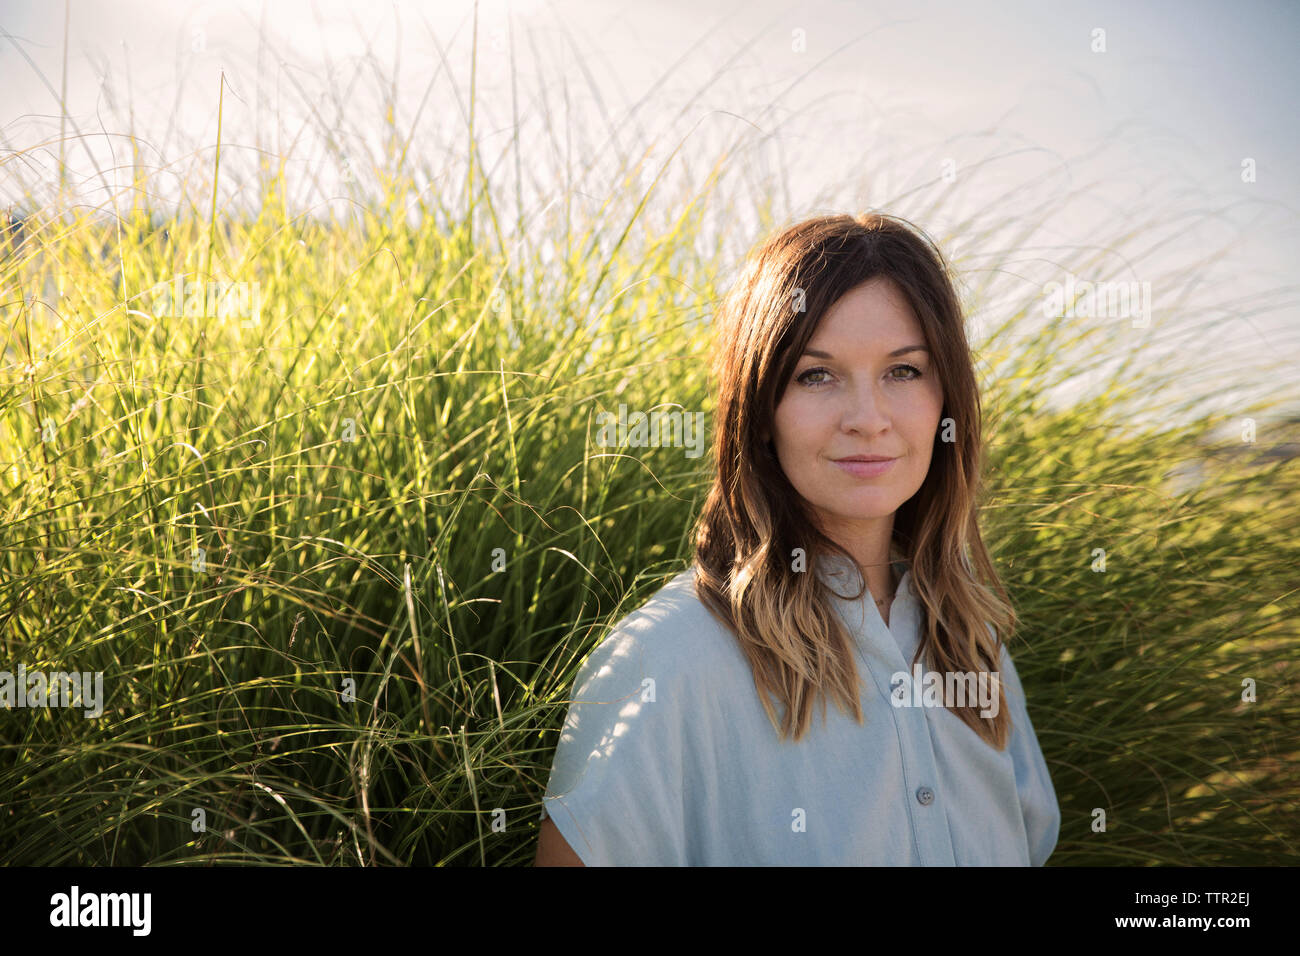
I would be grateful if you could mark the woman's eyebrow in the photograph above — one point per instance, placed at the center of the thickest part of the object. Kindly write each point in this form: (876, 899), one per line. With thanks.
(815, 353)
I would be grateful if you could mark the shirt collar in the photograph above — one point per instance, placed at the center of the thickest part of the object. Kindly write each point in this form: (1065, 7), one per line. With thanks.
(843, 576)
(888, 645)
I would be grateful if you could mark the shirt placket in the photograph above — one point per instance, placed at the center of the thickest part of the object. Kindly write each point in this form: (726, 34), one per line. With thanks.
(927, 805)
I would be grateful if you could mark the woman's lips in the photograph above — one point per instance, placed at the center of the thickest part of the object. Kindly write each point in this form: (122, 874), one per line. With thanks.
(866, 469)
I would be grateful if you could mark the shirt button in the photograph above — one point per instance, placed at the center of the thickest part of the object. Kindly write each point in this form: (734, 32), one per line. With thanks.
(925, 796)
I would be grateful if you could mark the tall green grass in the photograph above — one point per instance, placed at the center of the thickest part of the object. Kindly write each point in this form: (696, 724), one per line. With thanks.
(415, 410)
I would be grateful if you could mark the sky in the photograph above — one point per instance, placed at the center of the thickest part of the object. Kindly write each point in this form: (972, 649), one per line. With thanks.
(1158, 136)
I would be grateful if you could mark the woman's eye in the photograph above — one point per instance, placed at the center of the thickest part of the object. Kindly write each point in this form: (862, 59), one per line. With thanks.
(915, 374)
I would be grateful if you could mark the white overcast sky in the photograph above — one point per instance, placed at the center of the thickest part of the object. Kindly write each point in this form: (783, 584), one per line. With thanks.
(848, 105)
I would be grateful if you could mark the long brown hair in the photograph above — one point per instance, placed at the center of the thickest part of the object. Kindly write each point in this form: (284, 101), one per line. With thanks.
(753, 521)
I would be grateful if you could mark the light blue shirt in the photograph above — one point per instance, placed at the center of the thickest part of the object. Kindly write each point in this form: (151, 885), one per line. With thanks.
(667, 757)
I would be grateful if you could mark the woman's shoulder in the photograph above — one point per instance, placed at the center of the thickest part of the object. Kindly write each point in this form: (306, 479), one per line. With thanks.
(671, 634)
(634, 728)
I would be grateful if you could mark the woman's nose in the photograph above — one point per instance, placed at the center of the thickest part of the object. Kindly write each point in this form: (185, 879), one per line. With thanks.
(865, 409)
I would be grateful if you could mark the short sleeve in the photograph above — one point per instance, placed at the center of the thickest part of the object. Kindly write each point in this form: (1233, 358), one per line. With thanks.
(616, 789)
(1042, 814)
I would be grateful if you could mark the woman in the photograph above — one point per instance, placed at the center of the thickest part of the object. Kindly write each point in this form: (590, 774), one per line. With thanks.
(838, 555)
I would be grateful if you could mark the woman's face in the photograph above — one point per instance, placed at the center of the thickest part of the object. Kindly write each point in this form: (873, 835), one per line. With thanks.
(867, 393)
